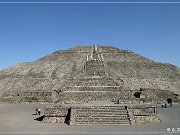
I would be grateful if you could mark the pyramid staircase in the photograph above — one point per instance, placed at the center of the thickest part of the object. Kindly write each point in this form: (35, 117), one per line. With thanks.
(101, 115)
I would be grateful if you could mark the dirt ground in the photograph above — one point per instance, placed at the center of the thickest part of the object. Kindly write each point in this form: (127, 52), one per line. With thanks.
(19, 119)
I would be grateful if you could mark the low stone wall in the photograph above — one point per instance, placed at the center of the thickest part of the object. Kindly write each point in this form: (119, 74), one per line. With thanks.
(86, 96)
(144, 110)
(102, 81)
(56, 115)
(9, 99)
(136, 84)
(34, 93)
(56, 111)
(142, 114)
(94, 88)
(54, 119)
(35, 96)
(146, 119)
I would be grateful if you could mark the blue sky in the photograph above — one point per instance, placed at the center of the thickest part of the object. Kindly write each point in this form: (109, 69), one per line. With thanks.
(30, 31)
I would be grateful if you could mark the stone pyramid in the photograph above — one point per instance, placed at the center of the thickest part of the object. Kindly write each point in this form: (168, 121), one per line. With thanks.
(90, 73)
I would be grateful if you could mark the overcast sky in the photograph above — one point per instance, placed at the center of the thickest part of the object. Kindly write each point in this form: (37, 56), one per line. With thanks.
(29, 31)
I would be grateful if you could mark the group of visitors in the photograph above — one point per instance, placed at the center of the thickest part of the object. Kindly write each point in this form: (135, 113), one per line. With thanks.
(164, 105)
(38, 111)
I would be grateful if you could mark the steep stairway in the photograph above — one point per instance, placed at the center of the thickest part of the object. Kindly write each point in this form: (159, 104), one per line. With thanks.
(102, 115)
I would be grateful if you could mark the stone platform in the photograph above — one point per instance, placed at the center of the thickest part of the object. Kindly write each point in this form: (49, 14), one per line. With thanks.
(99, 115)
(102, 113)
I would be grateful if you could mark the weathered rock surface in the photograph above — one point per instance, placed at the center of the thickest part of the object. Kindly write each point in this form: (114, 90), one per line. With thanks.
(53, 72)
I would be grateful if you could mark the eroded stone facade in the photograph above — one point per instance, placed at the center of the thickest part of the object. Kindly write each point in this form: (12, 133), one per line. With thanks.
(90, 73)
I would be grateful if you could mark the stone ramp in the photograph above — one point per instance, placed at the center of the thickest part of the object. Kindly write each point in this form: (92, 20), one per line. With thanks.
(99, 115)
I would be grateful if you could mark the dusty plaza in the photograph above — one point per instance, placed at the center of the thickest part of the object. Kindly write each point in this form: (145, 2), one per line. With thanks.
(19, 119)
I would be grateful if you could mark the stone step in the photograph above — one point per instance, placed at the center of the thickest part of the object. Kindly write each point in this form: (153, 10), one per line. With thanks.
(112, 124)
(97, 109)
(101, 109)
(102, 119)
(104, 112)
(102, 116)
(103, 123)
(101, 113)
(100, 122)
(90, 110)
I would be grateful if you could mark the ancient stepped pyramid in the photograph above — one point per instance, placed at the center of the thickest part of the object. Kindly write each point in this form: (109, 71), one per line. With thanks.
(90, 73)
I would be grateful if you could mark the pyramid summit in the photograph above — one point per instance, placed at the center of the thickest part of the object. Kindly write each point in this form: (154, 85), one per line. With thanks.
(90, 73)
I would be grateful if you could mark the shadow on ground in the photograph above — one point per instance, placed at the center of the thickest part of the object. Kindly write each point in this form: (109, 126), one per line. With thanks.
(40, 118)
